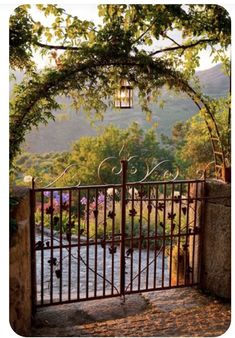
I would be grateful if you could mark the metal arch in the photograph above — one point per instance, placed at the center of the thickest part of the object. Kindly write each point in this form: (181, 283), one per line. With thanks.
(217, 147)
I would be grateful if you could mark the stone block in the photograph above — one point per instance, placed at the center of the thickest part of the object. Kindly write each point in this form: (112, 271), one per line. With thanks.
(216, 248)
(219, 192)
(20, 266)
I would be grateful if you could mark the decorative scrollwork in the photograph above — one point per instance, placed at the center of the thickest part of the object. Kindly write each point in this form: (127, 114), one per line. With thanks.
(116, 169)
(162, 169)
(123, 154)
(37, 180)
(206, 172)
(166, 174)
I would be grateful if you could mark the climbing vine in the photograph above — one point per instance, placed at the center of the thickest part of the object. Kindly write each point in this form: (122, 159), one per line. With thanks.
(89, 60)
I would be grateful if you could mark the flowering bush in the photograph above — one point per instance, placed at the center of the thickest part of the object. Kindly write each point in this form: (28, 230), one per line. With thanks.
(100, 215)
(55, 203)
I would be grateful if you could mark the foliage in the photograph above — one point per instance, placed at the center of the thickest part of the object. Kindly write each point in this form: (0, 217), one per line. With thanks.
(21, 39)
(100, 217)
(191, 141)
(87, 154)
(92, 59)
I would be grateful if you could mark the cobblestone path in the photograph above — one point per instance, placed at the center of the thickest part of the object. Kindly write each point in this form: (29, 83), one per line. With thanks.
(172, 313)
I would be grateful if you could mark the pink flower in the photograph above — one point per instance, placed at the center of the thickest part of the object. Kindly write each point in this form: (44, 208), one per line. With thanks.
(101, 198)
(83, 201)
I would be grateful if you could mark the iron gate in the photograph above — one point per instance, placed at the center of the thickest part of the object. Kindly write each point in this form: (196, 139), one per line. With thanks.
(91, 242)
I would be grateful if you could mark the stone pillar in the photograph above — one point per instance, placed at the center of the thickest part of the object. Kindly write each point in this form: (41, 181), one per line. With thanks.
(20, 264)
(216, 240)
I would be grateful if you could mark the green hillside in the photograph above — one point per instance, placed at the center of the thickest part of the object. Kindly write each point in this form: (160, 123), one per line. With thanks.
(70, 126)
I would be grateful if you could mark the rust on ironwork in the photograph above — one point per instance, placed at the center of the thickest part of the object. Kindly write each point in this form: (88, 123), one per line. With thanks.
(99, 241)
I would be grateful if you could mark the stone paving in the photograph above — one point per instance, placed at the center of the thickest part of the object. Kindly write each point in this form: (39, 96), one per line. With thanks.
(170, 313)
(152, 270)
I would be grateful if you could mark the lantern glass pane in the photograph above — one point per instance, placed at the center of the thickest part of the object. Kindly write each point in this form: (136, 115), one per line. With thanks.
(124, 95)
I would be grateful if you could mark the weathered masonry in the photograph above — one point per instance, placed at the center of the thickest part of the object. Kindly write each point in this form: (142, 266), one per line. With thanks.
(216, 246)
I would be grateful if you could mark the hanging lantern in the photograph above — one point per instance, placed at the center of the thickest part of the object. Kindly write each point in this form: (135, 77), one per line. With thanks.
(124, 95)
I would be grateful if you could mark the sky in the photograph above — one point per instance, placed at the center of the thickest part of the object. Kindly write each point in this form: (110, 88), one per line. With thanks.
(90, 12)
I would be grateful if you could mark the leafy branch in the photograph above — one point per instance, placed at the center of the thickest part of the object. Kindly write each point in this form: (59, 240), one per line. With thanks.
(183, 47)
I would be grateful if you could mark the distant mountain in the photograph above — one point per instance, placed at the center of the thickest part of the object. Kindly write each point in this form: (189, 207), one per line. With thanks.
(70, 126)
(214, 82)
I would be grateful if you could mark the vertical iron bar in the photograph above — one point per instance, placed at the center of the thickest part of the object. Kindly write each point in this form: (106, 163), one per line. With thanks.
(172, 222)
(155, 240)
(179, 234)
(52, 244)
(87, 246)
(113, 230)
(42, 249)
(201, 232)
(61, 245)
(140, 237)
(79, 239)
(124, 165)
(148, 234)
(104, 252)
(96, 225)
(132, 233)
(164, 234)
(32, 246)
(186, 275)
(70, 235)
(194, 229)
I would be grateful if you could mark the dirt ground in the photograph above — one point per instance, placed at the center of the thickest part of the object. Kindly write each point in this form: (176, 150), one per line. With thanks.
(171, 313)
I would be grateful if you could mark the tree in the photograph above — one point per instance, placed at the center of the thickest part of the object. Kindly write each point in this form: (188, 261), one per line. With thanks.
(93, 59)
(83, 167)
(21, 39)
(191, 141)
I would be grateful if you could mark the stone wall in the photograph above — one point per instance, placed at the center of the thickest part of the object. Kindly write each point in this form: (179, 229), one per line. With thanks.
(216, 240)
(20, 265)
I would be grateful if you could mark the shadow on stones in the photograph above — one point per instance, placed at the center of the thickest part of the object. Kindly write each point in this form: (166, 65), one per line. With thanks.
(73, 314)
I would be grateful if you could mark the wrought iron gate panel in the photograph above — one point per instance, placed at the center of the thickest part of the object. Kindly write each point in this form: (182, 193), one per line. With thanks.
(166, 244)
(92, 242)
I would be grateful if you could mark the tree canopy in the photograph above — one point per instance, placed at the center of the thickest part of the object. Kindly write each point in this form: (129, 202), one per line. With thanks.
(82, 168)
(190, 141)
(90, 60)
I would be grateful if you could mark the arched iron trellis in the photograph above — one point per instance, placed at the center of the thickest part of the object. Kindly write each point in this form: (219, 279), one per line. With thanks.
(154, 68)
(212, 127)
